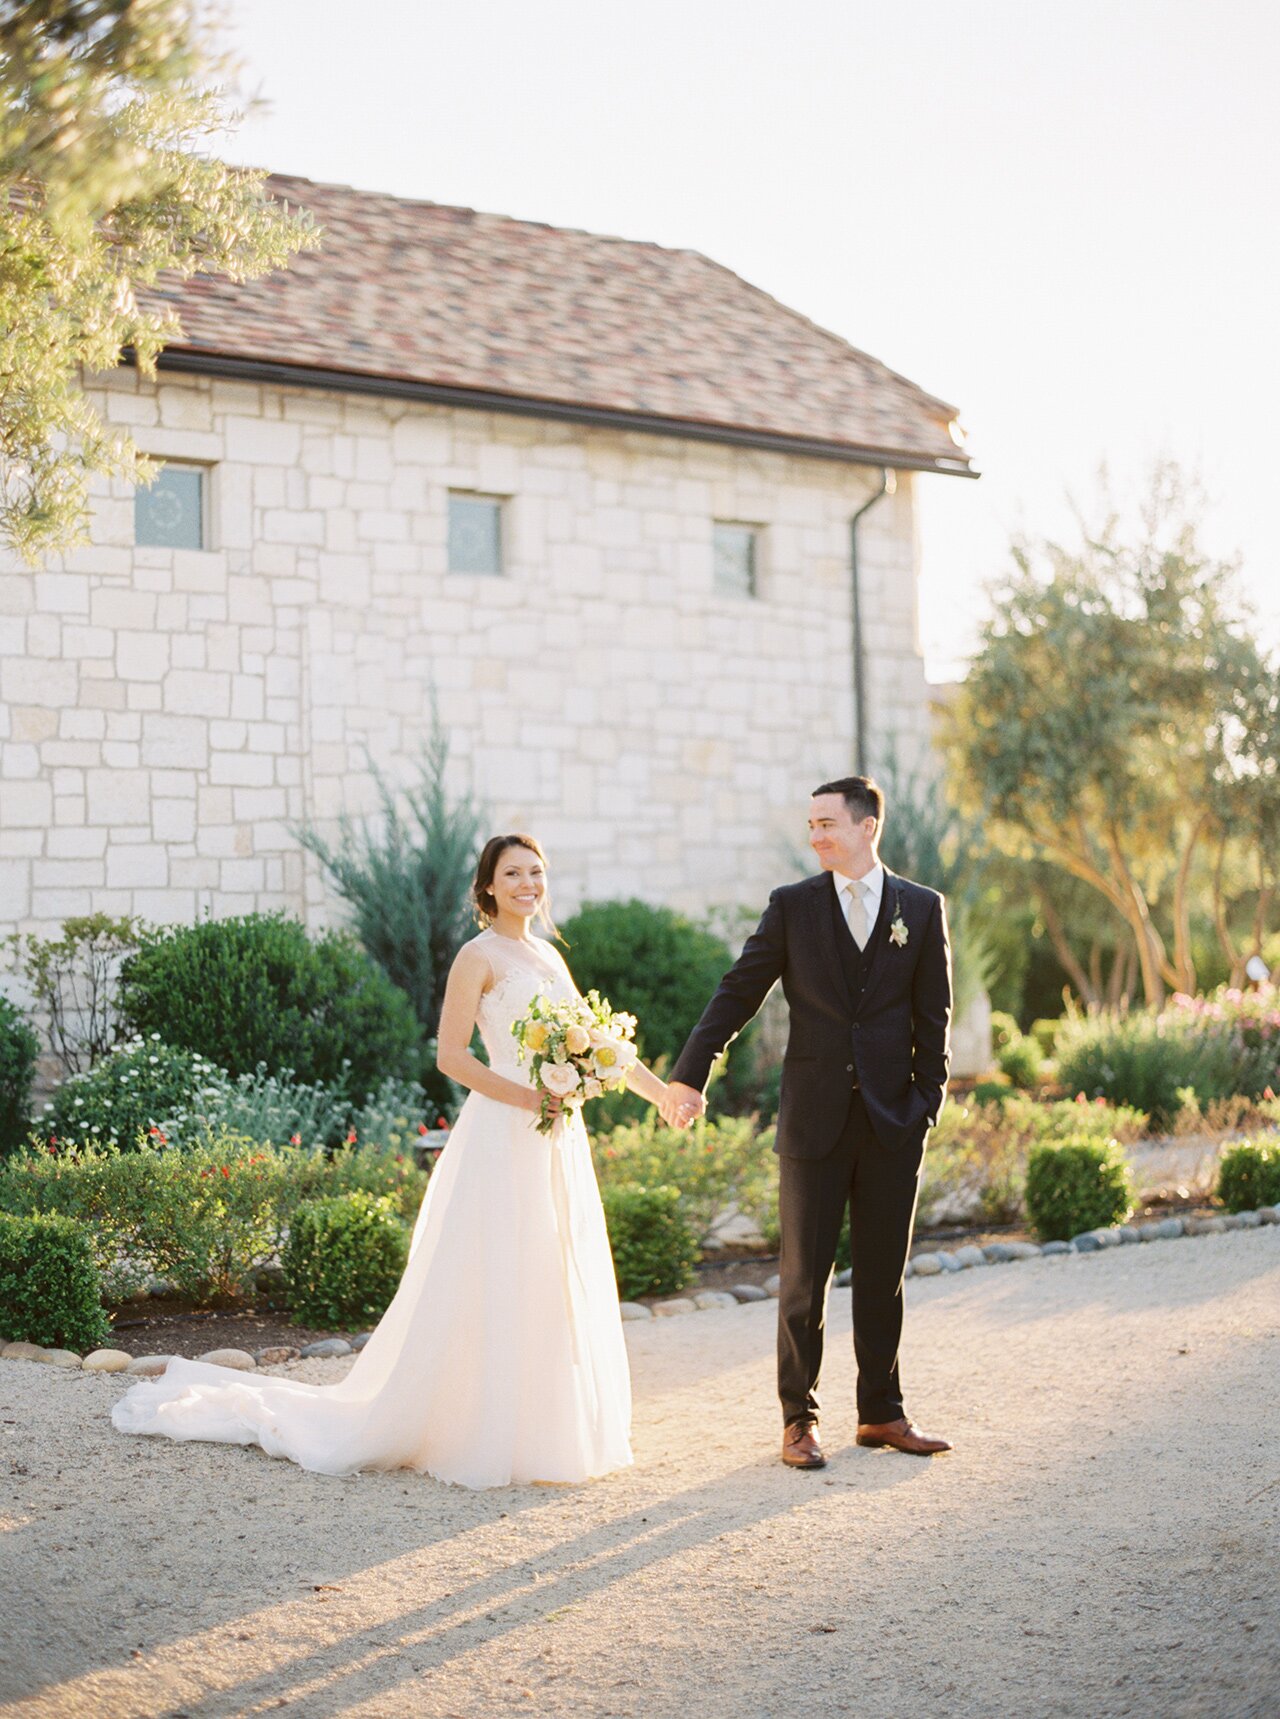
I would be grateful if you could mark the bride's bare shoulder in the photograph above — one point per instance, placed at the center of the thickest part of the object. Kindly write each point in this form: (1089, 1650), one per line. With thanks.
(472, 960)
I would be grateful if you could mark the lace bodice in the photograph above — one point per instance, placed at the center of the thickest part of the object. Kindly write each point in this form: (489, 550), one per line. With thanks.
(521, 972)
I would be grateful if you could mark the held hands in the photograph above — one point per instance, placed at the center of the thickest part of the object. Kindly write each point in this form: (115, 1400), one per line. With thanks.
(681, 1104)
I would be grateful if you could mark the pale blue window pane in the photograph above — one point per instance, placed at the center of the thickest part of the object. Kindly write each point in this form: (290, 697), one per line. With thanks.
(169, 513)
(475, 534)
(734, 549)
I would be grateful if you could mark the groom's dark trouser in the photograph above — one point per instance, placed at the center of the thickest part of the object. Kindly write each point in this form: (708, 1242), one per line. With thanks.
(880, 1185)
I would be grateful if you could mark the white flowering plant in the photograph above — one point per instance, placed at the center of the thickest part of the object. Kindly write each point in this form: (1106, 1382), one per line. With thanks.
(576, 1050)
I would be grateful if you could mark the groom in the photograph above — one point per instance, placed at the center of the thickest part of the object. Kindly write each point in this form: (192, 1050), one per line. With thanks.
(865, 967)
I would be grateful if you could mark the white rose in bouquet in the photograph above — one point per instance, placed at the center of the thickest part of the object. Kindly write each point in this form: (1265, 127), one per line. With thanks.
(560, 1078)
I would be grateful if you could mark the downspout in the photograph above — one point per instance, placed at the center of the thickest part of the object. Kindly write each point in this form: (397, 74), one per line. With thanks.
(888, 486)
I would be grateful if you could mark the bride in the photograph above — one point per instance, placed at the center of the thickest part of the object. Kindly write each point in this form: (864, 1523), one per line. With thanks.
(501, 1359)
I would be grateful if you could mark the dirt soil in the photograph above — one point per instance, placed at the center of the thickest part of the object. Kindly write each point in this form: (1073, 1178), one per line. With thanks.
(1103, 1540)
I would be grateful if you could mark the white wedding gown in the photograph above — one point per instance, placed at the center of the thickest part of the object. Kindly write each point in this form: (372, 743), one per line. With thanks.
(501, 1359)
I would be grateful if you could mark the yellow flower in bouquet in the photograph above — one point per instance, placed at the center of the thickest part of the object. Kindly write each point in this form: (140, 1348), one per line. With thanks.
(576, 1049)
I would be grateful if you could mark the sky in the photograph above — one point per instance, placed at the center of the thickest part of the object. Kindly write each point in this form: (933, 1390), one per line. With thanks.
(1061, 218)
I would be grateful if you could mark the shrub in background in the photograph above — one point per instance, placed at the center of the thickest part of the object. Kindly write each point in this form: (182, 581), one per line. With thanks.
(654, 1248)
(19, 1051)
(977, 1158)
(1079, 1185)
(50, 1289)
(1215, 1047)
(407, 879)
(343, 1260)
(206, 1218)
(1021, 1060)
(1249, 1175)
(74, 981)
(650, 961)
(258, 991)
(127, 1097)
(718, 1167)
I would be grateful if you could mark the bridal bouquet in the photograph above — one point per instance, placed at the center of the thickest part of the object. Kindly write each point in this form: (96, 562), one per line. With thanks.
(576, 1049)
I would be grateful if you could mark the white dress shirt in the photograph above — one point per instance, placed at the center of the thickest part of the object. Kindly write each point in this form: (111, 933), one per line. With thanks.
(873, 889)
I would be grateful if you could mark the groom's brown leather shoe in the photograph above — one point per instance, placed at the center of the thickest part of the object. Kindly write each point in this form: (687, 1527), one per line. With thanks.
(800, 1447)
(901, 1435)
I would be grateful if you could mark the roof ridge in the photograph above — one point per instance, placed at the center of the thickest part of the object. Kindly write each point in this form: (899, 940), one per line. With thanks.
(495, 215)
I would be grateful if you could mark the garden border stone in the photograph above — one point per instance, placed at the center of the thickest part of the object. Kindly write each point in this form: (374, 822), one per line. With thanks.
(930, 1263)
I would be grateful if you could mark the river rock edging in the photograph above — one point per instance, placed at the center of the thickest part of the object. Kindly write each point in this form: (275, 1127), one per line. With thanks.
(932, 1263)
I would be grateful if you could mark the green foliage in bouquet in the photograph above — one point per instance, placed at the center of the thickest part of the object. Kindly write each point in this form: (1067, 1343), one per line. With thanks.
(654, 1248)
(50, 1289)
(1079, 1185)
(344, 1259)
(1249, 1176)
(258, 991)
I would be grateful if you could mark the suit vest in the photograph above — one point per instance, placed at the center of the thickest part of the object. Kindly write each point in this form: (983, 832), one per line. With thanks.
(856, 963)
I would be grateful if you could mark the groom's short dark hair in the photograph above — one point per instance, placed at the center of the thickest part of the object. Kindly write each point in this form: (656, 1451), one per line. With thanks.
(863, 796)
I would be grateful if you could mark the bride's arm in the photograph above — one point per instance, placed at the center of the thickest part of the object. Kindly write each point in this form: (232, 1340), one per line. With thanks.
(646, 1084)
(468, 979)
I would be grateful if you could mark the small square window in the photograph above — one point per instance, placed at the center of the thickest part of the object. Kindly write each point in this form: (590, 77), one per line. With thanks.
(475, 533)
(734, 551)
(170, 513)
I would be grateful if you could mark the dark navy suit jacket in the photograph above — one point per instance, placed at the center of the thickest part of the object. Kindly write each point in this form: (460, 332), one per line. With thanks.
(889, 1033)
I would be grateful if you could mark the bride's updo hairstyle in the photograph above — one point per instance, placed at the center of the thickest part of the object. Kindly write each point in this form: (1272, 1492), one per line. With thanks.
(482, 896)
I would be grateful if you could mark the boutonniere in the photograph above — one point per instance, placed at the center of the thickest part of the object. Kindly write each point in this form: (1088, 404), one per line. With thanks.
(898, 932)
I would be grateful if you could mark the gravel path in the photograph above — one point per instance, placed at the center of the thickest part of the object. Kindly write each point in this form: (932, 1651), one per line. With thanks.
(1104, 1540)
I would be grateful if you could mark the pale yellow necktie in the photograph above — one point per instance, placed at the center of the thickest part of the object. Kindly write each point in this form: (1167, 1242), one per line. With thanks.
(855, 912)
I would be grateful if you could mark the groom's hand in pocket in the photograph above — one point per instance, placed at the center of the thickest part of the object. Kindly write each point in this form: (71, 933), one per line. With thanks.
(681, 1105)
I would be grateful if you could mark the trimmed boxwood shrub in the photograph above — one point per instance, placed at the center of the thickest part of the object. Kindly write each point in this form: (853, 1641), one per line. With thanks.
(1249, 1176)
(1076, 1186)
(344, 1260)
(651, 961)
(654, 1248)
(19, 1049)
(1021, 1060)
(258, 991)
(50, 1290)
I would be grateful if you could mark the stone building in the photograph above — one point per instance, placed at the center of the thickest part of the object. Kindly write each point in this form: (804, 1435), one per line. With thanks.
(593, 497)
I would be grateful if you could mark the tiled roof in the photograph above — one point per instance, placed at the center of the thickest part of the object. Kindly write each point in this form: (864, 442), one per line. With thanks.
(426, 294)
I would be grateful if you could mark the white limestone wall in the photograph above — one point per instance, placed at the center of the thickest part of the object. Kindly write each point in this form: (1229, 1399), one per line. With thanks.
(165, 715)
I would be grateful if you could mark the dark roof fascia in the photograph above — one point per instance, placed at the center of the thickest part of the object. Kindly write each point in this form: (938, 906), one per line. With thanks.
(229, 368)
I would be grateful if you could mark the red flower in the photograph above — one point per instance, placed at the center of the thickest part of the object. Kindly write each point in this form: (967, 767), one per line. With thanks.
(153, 1130)
(1267, 1092)
(224, 1169)
(423, 1129)
(295, 1140)
(351, 1138)
(399, 1157)
(442, 1122)
(1081, 1099)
